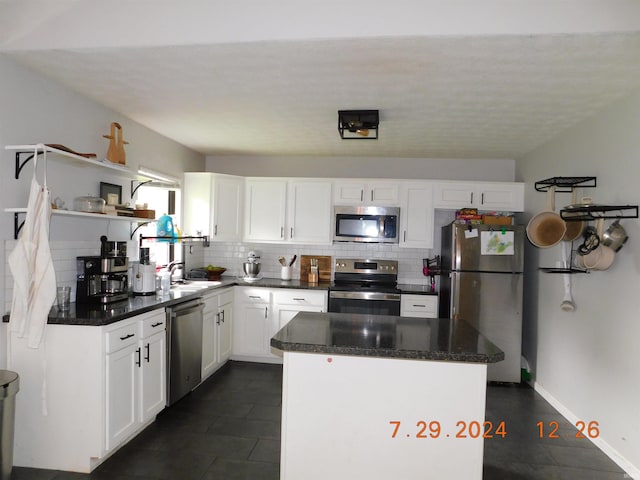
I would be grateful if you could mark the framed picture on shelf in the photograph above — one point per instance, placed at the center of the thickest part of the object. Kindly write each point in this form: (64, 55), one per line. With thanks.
(111, 193)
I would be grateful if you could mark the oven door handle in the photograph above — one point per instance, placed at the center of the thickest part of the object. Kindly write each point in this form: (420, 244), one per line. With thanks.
(366, 296)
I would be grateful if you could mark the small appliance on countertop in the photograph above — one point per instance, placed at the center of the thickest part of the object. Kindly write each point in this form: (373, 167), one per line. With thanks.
(103, 279)
(144, 275)
(251, 268)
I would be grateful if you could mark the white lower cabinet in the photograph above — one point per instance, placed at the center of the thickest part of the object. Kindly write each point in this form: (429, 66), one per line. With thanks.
(252, 324)
(100, 391)
(425, 306)
(135, 375)
(216, 330)
(153, 368)
(261, 312)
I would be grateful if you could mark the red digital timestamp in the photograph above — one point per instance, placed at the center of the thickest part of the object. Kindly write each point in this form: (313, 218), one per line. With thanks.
(463, 429)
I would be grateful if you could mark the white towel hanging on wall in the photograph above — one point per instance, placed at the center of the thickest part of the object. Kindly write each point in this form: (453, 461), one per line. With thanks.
(31, 264)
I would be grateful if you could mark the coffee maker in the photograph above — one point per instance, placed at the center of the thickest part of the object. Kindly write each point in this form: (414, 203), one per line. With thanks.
(144, 275)
(103, 279)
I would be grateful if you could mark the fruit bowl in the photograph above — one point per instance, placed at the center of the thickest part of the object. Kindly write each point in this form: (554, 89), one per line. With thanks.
(214, 273)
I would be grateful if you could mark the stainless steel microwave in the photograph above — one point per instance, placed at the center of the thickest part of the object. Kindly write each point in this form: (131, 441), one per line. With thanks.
(366, 224)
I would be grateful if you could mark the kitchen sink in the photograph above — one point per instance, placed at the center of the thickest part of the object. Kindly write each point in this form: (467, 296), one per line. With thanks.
(193, 286)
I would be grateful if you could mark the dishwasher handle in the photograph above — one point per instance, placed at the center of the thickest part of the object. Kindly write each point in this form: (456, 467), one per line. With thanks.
(186, 308)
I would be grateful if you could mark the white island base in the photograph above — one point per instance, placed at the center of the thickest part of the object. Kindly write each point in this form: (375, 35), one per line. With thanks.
(340, 418)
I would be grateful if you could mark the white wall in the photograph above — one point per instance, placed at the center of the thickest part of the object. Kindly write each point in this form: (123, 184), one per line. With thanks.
(366, 167)
(587, 361)
(36, 109)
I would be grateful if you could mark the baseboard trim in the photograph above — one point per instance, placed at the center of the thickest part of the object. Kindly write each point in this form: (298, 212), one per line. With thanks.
(631, 470)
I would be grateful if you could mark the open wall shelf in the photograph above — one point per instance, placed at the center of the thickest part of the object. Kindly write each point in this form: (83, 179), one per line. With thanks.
(565, 184)
(24, 153)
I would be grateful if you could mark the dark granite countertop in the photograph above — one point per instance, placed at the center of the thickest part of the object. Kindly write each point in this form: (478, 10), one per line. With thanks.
(99, 315)
(96, 315)
(386, 336)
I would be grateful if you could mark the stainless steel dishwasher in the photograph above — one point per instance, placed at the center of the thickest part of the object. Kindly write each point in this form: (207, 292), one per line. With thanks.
(184, 348)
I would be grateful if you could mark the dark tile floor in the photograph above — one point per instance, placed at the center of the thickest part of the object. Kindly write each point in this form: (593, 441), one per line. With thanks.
(229, 429)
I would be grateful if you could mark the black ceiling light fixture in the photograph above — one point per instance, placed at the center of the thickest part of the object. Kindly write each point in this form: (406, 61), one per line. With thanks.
(358, 124)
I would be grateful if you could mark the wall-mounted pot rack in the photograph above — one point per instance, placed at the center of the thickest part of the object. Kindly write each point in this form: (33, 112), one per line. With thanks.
(583, 212)
(565, 184)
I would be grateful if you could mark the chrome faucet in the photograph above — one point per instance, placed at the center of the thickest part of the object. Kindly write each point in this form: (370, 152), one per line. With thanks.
(172, 267)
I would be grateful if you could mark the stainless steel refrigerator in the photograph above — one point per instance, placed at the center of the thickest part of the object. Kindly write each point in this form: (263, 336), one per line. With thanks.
(481, 282)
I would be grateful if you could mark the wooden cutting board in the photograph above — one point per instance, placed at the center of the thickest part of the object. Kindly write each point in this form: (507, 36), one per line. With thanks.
(324, 267)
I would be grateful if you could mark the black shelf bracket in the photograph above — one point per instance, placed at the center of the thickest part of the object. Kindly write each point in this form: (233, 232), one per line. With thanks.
(134, 187)
(565, 184)
(20, 165)
(17, 224)
(141, 224)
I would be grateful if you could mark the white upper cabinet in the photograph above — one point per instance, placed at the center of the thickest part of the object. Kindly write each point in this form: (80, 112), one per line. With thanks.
(213, 205)
(365, 193)
(309, 212)
(265, 203)
(416, 215)
(504, 196)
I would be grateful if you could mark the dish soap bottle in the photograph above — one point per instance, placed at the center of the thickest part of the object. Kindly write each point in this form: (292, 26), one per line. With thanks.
(165, 229)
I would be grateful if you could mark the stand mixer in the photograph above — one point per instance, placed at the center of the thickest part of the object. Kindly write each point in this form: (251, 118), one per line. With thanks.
(251, 267)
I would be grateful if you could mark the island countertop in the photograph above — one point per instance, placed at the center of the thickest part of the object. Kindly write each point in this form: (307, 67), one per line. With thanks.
(440, 339)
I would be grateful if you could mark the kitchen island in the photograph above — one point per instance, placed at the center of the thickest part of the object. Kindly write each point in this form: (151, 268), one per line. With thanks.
(378, 397)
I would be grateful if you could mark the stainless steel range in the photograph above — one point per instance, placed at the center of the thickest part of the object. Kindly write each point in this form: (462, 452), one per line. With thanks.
(365, 286)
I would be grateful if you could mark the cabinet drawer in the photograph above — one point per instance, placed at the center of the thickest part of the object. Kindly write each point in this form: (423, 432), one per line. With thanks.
(153, 323)
(122, 336)
(226, 297)
(253, 295)
(300, 297)
(419, 306)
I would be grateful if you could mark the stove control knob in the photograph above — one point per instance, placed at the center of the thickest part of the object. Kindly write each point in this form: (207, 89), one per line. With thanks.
(393, 267)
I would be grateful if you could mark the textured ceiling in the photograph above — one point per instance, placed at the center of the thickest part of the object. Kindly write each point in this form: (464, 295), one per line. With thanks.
(439, 97)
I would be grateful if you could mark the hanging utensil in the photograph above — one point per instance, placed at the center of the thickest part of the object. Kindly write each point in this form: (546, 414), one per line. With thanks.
(568, 305)
(293, 260)
(282, 261)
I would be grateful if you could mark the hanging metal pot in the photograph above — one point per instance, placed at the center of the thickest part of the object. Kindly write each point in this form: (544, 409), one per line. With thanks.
(547, 228)
(615, 236)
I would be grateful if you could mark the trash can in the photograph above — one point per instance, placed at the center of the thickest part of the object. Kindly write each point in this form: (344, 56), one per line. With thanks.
(9, 386)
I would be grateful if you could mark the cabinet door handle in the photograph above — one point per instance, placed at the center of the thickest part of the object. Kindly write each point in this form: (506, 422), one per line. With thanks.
(372, 195)
(138, 353)
(422, 306)
(154, 325)
(266, 312)
(472, 198)
(254, 296)
(299, 299)
(482, 199)
(361, 195)
(147, 356)
(222, 316)
(291, 232)
(281, 232)
(215, 229)
(128, 336)
(404, 236)
(217, 318)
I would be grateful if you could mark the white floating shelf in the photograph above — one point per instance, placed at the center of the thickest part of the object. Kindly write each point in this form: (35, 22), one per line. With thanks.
(76, 158)
(95, 216)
